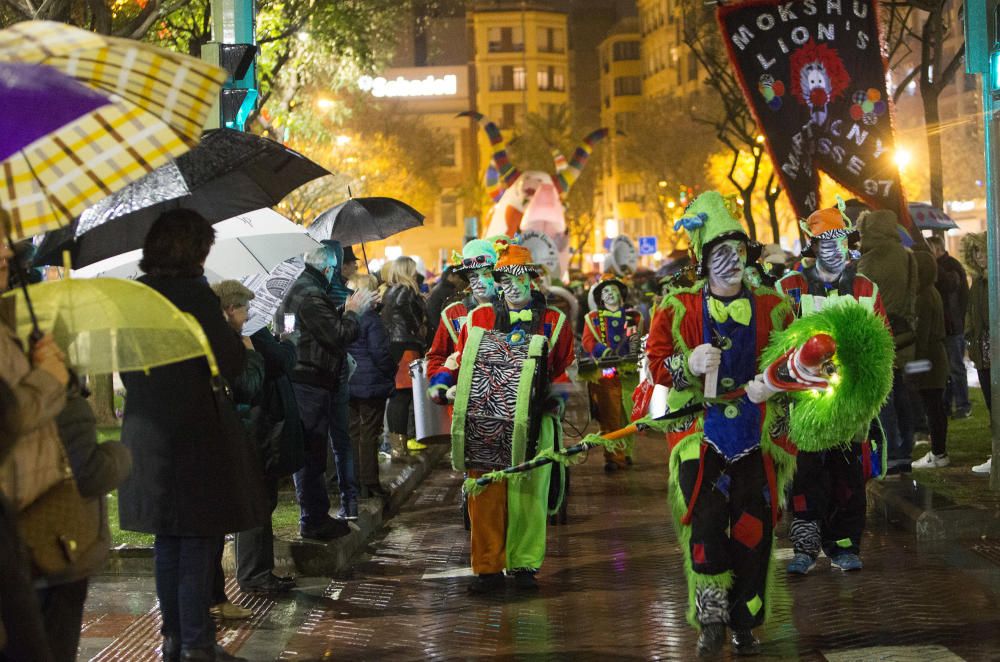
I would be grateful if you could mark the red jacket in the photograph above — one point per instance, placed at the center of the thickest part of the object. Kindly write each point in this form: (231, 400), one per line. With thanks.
(451, 323)
(795, 284)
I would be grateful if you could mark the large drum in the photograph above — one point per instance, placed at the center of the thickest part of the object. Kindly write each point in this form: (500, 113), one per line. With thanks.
(433, 421)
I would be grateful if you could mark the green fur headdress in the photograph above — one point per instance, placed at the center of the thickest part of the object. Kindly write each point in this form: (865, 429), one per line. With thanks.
(822, 420)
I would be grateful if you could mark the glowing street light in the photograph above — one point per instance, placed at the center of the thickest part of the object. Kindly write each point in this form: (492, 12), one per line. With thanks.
(324, 104)
(393, 252)
(902, 158)
(343, 140)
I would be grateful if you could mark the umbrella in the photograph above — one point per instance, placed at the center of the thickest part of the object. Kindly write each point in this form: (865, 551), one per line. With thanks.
(65, 146)
(108, 325)
(365, 219)
(227, 174)
(178, 88)
(268, 292)
(249, 244)
(927, 217)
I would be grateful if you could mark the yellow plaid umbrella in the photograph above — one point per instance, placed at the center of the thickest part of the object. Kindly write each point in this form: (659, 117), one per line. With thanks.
(113, 325)
(177, 88)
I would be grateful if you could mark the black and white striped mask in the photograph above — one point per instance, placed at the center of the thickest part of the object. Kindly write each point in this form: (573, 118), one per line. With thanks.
(832, 255)
(726, 263)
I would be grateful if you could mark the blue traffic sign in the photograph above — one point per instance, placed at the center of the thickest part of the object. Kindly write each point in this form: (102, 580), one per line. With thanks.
(607, 243)
(647, 245)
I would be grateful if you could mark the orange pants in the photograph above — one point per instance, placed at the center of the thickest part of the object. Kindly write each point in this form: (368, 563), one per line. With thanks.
(488, 519)
(606, 396)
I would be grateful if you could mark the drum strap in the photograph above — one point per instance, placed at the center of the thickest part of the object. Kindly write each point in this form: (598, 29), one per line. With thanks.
(462, 392)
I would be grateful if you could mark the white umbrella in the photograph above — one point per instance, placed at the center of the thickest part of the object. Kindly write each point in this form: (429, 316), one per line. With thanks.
(245, 245)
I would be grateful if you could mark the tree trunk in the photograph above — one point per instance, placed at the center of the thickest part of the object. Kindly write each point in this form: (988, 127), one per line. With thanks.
(102, 400)
(932, 123)
(772, 207)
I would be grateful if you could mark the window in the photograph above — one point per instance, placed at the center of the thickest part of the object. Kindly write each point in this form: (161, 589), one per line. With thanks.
(505, 40)
(627, 86)
(551, 40)
(449, 212)
(447, 156)
(630, 192)
(507, 78)
(692, 67)
(551, 78)
(623, 121)
(508, 115)
(626, 50)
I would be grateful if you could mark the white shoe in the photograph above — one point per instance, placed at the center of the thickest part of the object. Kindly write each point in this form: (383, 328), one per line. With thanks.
(983, 468)
(932, 461)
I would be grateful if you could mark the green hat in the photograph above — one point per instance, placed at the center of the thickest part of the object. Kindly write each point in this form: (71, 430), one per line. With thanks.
(708, 221)
(477, 254)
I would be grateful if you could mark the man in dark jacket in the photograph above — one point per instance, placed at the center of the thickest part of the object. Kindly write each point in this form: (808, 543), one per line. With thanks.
(953, 285)
(323, 331)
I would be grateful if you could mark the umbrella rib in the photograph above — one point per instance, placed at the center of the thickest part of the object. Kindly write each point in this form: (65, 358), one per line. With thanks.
(252, 254)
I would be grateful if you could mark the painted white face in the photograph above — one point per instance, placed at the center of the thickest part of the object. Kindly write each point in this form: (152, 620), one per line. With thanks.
(611, 297)
(832, 255)
(483, 287)
(726, 262)
(516, 290)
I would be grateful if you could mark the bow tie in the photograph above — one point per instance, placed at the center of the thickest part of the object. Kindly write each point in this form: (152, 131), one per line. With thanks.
(739, 310)
(520, 316)
(616, 314)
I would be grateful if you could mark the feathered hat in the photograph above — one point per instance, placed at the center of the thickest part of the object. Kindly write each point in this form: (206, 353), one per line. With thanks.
(516, 260)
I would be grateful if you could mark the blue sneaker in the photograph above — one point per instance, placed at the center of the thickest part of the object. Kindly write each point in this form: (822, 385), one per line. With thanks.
(801, 564)
(847, 562)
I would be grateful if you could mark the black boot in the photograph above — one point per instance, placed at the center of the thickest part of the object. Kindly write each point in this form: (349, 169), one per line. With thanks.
(171, 649)
(489, 583)
(711, 639)
(524, 580)
(744, 643)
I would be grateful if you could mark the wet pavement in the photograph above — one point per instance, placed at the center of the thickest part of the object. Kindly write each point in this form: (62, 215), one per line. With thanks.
(611, 588)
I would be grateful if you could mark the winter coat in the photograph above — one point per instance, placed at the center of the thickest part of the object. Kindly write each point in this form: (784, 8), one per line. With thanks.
(405, 317)
(953, 285)
(194, 473)
(322, 329)
(930, 326)
(977, 314)
(279, 434)
(893, 268)
(35, 459)
(98, 469)
(375, 375)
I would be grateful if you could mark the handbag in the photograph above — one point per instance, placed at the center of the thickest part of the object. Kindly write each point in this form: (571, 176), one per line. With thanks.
(58, 527)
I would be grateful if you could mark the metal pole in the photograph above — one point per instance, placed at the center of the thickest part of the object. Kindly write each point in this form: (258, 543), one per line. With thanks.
(991, 134)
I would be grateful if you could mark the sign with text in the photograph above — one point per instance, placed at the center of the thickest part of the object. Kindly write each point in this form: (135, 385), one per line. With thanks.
(813, 74)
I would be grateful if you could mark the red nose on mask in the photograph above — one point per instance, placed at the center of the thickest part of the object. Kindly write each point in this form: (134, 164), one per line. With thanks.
(818, 97)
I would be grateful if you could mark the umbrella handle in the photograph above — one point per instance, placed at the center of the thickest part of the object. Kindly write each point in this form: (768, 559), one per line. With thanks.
(22, 276)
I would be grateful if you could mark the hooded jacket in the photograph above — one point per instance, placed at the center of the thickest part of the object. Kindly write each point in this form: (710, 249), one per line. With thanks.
(893, 268)
(930, 325)
(977, 316)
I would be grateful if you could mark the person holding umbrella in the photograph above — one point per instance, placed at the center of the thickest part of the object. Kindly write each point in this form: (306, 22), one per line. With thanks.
(322, 331)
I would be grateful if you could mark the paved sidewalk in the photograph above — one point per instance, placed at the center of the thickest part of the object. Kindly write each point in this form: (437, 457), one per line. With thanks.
(612, 588)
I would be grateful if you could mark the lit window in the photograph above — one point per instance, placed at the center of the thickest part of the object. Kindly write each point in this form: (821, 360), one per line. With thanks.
(505, 40)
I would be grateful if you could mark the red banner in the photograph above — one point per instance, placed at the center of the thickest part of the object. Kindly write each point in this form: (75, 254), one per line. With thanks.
(813, 73)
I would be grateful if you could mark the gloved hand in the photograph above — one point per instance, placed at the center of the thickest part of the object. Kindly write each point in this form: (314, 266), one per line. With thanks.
(438, 394)
(556, 406)
(703, 358)
(758, 391)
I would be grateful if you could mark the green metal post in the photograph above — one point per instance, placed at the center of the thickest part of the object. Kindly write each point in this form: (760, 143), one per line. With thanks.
(233, 22)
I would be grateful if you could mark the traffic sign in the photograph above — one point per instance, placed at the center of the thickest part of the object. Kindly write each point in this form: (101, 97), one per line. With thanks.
(647, 245)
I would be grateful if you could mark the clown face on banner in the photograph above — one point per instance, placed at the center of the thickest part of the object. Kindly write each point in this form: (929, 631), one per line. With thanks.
(813, 74)
(532, 200)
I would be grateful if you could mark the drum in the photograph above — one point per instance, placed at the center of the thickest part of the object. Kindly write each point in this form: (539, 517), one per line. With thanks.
(432, 421)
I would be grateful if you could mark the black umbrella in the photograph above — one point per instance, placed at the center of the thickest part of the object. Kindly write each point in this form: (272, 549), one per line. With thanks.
(227, 174)
(365, 219)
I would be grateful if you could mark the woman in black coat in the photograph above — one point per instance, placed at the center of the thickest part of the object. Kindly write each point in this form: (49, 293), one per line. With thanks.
(194, 475)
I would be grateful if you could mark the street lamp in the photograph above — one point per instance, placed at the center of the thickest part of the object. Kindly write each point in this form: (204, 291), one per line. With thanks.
(324, 104)
(902, 158)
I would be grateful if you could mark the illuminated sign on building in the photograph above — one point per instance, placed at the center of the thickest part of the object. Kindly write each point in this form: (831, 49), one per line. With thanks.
(431, 86)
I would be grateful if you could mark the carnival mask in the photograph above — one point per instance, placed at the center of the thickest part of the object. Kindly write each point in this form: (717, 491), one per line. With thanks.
(611, 298)
(832, 255)
(483, 287)
(516, 290)
(726, 263)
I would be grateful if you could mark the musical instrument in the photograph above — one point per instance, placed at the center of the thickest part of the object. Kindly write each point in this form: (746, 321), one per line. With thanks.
(432, 421)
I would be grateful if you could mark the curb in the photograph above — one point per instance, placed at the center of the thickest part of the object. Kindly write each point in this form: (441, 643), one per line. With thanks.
(915, 508)
(309, 557)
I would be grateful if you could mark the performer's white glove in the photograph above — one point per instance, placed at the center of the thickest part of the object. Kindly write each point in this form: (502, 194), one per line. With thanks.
(758, 391)
(703, 358)
(450, 395)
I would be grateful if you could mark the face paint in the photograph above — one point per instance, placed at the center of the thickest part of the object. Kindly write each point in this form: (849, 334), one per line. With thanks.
(484, 288)
(832, 257)
(611, 298)
(516, 290)
(726, 263)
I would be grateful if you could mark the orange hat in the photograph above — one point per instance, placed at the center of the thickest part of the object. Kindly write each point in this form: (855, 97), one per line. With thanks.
(823, 221)
(516, 260)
